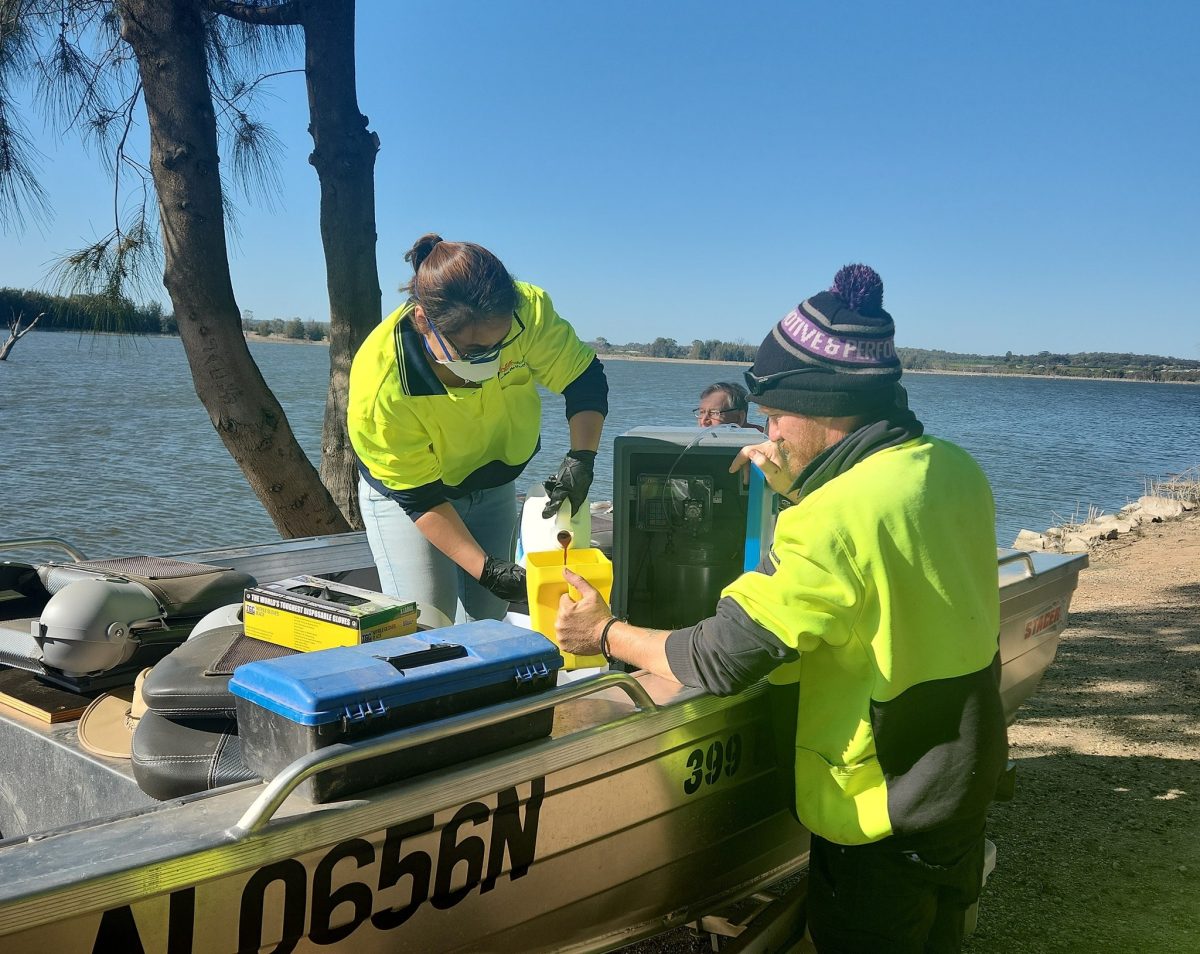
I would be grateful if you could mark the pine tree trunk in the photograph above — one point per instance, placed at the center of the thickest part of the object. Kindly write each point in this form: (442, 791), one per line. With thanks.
(167, 37)
(344, 157)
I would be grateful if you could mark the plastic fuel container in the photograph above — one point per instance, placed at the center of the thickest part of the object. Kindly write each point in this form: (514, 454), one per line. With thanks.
(546, 587)
(537, 533)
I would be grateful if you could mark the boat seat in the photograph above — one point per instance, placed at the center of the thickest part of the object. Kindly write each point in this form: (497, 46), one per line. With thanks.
(173, 759)
(187, 740)
(183, 589)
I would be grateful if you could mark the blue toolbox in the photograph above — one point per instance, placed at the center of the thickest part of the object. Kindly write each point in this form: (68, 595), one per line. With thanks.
(289, 707)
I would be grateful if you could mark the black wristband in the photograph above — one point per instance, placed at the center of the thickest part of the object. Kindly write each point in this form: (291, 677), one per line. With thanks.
(604, 639)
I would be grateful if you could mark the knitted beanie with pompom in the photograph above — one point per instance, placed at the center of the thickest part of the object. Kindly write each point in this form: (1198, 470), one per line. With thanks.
(833, 355)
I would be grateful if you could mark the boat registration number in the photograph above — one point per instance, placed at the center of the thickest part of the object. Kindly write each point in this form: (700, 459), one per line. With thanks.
(323, 898)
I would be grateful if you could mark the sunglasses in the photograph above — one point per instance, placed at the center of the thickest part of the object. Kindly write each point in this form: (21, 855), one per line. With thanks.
(477, 354)
(758, 384)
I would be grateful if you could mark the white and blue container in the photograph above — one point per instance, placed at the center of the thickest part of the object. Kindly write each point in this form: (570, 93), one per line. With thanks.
(292, 706)
(538, 534)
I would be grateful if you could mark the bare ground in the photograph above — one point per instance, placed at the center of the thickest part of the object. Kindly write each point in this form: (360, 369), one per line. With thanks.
(1100, 849)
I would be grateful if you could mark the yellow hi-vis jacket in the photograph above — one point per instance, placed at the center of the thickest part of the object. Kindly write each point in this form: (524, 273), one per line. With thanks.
(885, 582)
(411, 432)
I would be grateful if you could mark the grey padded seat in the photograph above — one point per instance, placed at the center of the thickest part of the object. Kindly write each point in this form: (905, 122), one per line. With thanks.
(187, 741)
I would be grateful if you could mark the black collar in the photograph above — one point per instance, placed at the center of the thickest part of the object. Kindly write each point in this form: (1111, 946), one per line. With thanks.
(417, 378)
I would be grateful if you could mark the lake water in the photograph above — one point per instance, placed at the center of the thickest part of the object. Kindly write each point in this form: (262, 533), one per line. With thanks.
(107, 446)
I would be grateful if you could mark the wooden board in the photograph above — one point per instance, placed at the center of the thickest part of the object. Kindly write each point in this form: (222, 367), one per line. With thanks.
(26, 693)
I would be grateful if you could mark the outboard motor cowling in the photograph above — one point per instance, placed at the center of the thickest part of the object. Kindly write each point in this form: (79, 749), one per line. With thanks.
(90, 626)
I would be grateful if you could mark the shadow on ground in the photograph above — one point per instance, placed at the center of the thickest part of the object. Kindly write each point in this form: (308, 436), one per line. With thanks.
(1095, 854)
(1133, 672)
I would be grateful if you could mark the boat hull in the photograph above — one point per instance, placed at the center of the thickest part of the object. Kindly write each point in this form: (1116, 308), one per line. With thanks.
(636, 815)
(586, 841)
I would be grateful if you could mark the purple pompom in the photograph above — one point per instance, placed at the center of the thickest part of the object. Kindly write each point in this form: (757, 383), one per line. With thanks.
(860, 287)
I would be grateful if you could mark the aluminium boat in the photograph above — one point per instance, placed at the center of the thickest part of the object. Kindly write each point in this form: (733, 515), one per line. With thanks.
(648, 806)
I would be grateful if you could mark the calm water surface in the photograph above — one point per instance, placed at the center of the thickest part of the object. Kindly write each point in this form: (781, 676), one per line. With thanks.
(107, 446)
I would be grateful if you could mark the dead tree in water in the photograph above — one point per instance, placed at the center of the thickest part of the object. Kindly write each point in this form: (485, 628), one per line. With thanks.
(16, 332)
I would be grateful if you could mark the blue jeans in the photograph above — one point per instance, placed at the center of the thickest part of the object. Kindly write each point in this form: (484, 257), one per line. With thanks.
(413, 568)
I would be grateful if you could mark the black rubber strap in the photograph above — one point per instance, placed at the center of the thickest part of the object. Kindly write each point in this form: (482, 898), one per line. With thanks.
(604, 639)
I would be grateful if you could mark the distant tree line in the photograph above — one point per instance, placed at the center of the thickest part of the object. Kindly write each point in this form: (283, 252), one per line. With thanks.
(103, 314)
(1085, 364)
(100, 313)
(97, 313)
(711, 350)
(291, 328)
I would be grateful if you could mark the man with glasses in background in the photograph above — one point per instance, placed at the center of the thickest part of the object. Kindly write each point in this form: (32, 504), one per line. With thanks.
(723, 403)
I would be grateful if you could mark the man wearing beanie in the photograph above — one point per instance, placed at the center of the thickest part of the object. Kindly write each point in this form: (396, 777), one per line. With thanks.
(875, 616)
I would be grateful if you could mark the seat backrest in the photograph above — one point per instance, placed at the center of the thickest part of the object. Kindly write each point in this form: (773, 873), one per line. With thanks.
(182, 589)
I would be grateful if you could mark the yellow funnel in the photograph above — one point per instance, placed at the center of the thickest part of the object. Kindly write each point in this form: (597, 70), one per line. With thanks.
(544, 571)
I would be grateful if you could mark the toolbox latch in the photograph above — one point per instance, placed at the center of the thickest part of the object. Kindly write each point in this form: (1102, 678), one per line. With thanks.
(528, 672)
(362, 711)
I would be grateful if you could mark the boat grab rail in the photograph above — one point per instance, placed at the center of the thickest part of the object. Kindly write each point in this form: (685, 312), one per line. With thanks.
(347, 753)
(28, 543)
(1019, 557)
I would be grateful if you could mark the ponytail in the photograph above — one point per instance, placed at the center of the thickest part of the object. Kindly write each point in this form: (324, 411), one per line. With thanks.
(458, 283)
(420, 251)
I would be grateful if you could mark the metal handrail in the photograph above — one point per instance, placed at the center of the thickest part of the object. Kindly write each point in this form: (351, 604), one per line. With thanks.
(30, 542)
(1019, 556)
(347, 753)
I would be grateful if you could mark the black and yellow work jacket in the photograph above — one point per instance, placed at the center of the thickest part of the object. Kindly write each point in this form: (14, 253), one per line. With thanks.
(880, 600)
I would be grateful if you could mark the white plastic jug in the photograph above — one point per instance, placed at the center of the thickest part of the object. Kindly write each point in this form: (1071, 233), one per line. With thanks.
(538, 534)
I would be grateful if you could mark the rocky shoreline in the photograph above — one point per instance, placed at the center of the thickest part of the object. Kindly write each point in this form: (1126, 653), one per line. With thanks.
(1169, 499)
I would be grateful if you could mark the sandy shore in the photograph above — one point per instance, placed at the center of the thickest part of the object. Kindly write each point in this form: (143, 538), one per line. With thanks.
(1100, 849)
(255, 338)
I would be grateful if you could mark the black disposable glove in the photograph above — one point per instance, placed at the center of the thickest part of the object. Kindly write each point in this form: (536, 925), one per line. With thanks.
(572, 482)
(503, 579)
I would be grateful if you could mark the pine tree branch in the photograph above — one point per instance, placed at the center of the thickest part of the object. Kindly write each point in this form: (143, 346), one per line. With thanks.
(276, 14)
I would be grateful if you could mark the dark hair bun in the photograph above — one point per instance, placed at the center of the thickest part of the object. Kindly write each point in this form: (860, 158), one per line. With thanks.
(421, 249)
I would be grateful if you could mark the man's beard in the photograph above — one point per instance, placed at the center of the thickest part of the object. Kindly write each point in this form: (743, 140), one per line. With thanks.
(797, 455)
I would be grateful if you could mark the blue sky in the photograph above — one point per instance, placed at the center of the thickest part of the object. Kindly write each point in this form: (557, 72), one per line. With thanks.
(1023, 175)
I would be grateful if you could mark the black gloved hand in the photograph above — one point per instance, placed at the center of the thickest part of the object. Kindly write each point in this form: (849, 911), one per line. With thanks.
(572, 482)
(503, 579)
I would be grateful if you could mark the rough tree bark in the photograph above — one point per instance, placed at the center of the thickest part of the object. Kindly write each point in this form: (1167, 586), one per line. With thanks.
(344, 157)
(167, 37)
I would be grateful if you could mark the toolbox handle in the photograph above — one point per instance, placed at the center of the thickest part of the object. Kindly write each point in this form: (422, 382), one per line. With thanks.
(348, 753)
(433, 653)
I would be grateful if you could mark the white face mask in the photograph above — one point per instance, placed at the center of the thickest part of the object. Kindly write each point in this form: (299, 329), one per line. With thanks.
(476, 373)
